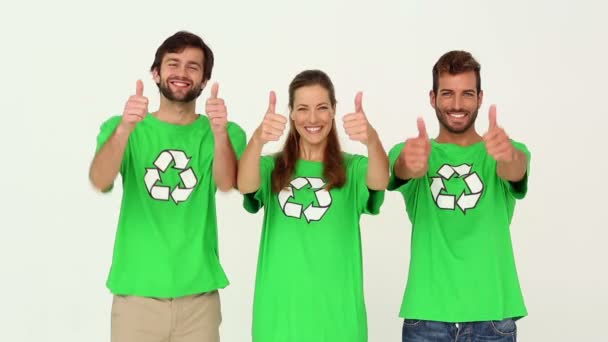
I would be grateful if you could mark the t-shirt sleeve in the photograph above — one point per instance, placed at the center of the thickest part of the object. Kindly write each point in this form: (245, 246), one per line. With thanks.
(253, 202)
(519, 189)
(395, 183)
(238, 138)
(369, 201)
(105, 132)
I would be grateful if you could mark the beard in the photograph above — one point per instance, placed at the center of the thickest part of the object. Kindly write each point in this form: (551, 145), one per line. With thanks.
(443, 121)
(190, 96)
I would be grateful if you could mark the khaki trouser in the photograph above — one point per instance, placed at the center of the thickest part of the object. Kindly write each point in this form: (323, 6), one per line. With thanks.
(187, 319)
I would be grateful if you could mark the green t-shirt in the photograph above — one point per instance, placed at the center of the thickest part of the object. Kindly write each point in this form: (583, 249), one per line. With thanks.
(309, 285)
(166, 242)
(462, 267)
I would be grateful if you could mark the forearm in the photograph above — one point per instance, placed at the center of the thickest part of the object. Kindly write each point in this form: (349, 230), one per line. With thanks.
(224, 163)
(514, 170)
(377, 167)
(107, 161)
(248, 179)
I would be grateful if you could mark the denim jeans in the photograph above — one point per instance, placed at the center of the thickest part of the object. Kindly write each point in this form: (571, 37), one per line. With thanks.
(429, 331)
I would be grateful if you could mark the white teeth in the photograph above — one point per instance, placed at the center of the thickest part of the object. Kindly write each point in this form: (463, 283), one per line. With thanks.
(180, 84)
(313, 129)
(457, 115)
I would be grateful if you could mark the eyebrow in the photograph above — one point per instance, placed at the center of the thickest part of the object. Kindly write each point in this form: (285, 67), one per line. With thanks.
(452, 91)
(173, 59)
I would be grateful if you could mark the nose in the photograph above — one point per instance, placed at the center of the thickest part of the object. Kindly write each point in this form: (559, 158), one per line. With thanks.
(181, 71)
(313, 117)
(457, 102)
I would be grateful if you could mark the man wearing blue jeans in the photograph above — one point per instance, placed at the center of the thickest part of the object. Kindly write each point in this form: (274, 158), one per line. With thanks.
(460, 190)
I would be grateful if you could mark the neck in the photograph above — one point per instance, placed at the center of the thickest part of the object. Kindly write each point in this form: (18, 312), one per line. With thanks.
(312, 152)
(178, 113)
(462, 139)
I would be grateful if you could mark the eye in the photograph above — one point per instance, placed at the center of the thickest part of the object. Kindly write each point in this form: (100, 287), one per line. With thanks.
(469, 94)
(193, 67)
(323, 108)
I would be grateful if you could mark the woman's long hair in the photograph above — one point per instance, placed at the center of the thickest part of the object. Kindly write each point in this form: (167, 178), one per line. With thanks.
(334, 172)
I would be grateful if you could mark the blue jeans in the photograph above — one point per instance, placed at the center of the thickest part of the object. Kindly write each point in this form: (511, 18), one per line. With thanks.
(429, 331)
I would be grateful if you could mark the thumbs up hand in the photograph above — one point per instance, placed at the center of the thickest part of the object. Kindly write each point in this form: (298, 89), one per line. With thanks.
(273, 125)
(497, 141)
(216, 111)
(415, 154)
(135, 109)
(356, 125)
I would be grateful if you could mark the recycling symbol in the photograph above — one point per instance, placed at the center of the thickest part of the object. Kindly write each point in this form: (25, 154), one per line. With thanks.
(465, 201)
(163, 161)
(312, 212)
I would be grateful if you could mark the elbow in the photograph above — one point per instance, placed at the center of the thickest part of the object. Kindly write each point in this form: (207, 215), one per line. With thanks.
(99, 185)
(379, 185)
(245, 189)
(226, 185)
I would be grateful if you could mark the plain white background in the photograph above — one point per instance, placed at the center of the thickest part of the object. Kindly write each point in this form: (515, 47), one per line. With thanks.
(69, 65)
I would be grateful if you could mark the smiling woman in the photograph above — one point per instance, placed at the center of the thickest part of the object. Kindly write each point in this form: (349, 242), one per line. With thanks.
(313, 195)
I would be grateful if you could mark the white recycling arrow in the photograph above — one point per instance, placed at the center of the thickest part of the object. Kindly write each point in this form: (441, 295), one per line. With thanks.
(468, 201)
(299, 183)
(315, 183)
(180, 194)
(462, 170)
(446, 171)
(151, 177)
(293, 210)
(284, 196)
(188, 178)
(474, 183)
(158, 192)
(314, 213)
(323, 197)
(436, 187)
(446, 201)
(163, 161)
(180, 159)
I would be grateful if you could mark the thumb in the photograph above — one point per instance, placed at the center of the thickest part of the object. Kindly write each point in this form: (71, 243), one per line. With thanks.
(214, 89)
(359, 102)
(272, 102)
(492, 117)
(421, 129)
(139, 88)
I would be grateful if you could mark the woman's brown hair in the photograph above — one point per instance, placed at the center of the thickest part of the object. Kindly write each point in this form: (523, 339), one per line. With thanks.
(334, 172)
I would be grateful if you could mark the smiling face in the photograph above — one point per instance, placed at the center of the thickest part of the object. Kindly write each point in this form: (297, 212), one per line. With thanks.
(180, 77)
(457, 102)
(312, 114)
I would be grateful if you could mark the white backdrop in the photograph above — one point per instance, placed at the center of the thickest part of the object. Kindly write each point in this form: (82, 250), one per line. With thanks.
(69, 65)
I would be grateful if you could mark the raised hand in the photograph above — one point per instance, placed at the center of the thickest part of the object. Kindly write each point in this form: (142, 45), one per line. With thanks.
(216, 111)
(136, 108)
(273, 125)
(416, 152)
(497, 141)
(356, 125)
